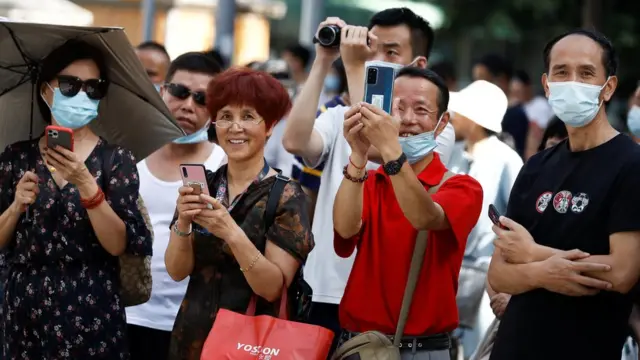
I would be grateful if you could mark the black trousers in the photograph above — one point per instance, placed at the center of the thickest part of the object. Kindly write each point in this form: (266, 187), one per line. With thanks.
(326, 315)
(148, 344)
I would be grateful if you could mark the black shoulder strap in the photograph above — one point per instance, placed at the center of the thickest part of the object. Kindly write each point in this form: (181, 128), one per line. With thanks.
(274, 198)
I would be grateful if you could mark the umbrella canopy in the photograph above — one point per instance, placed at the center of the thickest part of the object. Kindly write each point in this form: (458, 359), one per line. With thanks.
(131, 115)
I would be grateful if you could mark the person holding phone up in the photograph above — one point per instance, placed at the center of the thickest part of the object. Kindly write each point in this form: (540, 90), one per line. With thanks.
(229, 252)
(62, 298)
(380, 212)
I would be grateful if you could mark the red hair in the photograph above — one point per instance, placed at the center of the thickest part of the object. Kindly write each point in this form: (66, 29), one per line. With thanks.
(257, 89)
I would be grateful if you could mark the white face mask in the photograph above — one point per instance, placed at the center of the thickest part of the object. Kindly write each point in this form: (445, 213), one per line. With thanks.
(633, 120)
(197, 137)
(575, 103)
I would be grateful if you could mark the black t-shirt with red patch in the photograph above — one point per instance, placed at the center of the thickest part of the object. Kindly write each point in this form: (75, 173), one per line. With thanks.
(572, 200)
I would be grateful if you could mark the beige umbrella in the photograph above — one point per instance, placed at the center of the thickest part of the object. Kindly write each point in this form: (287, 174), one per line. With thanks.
(131, 115)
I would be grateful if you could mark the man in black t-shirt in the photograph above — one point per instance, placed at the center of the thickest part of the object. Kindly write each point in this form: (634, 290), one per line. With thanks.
(570, 253)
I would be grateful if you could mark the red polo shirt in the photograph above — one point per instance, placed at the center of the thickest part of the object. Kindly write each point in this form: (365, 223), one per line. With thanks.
(373, 296)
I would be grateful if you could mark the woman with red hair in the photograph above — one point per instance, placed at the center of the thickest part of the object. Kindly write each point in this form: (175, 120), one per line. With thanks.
(223, 242)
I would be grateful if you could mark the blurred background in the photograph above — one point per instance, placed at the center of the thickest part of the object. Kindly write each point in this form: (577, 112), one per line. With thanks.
(244, 31)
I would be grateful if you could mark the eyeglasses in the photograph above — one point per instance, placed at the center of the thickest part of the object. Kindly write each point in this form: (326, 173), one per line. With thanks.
(70, 86)
(182, 92)
(244, 123)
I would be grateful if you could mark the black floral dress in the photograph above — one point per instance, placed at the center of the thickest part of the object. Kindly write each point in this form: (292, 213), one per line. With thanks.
(61, 297)
(216, 281)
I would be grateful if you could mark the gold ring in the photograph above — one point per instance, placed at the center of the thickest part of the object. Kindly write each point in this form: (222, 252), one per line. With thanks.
(52, 169)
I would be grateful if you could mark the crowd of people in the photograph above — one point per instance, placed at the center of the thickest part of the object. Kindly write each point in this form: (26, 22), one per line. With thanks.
(551, 275)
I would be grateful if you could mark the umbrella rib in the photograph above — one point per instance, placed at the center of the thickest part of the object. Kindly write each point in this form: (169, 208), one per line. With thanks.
(22, 81)
(17, 43)
(11, 68)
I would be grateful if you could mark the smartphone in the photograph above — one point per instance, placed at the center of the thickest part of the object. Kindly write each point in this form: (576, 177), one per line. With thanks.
(57, 135)
(194, 176)
(378, 89)
(494, 215)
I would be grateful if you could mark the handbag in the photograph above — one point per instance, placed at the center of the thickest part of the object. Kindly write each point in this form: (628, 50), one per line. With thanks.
(249, 337)
(300, 293)
(135, 270)
(374, 345)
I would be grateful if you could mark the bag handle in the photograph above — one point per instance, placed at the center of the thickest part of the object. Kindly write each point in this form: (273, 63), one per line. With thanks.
(282, 314)
(270, 213)
(414, 270)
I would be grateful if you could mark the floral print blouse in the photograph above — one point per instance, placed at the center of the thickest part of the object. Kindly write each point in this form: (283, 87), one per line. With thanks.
(62, 288)
(216, 281)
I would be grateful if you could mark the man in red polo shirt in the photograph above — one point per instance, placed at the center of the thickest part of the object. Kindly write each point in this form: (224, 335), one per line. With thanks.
(379, 211)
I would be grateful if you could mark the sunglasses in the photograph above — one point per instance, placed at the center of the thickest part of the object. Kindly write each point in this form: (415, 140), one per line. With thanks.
(70, 86)
(182, 92)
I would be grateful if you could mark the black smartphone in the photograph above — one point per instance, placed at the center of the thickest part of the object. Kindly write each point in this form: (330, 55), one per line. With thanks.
(494, 215)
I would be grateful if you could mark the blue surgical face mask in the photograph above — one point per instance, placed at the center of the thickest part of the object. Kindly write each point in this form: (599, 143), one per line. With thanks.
(73, 112)
(633, 120)
(197, 137)
(331, 83)
(575, 103)
(417, 147)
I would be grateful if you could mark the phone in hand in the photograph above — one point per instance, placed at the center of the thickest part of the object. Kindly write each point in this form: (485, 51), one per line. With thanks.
(494, 215)
(59, 136)
(378, 88)
(194, 176)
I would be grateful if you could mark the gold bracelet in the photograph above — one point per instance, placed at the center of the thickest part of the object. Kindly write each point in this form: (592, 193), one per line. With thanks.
(253, 263)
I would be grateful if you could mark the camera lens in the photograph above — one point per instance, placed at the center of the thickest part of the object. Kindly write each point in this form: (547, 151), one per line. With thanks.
(372, 76)
(329, 36)
(184, 172)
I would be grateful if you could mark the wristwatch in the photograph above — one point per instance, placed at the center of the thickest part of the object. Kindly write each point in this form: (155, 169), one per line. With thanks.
(393, 167)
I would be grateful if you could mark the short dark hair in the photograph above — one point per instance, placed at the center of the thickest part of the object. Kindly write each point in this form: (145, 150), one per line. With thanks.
(422, 35)
(445, 69)
(155, 46)
(217, 56)
(338, 66)
(60, 58)
(522, 76)
(497, 65)
(609, 55)
(194, 62)
(555, 128)
(431, 76)
(299, 52)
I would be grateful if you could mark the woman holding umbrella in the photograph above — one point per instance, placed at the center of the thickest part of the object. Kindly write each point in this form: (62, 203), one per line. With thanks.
(62, 293)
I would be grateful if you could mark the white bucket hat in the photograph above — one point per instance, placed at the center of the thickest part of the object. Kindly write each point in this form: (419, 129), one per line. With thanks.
(482, 102)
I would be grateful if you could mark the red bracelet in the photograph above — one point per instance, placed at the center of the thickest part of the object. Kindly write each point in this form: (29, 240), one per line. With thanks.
(356, 166)
(94, 201)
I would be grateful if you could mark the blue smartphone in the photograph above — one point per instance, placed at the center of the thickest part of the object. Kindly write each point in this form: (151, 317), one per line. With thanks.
(378, 89)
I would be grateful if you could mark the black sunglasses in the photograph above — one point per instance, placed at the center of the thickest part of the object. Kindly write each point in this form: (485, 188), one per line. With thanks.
(70, 86)
(182, 92)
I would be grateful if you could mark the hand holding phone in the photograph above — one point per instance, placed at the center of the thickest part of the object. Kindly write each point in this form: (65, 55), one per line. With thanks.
(195, 176)
(494, 215)
(59, 136)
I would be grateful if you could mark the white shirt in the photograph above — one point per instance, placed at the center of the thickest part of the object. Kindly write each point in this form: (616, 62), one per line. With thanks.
(495, 165)
(166, 294)
(275, 154)
(326, 272)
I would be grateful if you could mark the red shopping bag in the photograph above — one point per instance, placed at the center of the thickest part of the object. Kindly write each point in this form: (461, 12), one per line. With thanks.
(247, 337)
